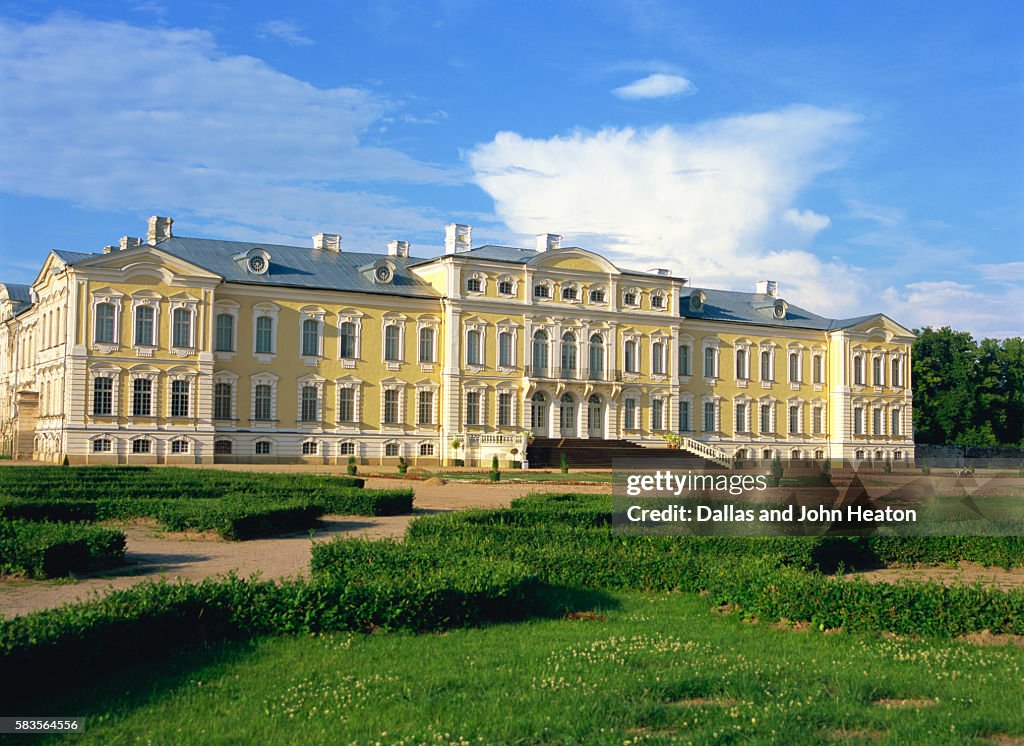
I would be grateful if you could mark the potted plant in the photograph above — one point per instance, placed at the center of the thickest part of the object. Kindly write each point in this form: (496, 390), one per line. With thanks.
(515, 463)
(673, 440)
(456, 445)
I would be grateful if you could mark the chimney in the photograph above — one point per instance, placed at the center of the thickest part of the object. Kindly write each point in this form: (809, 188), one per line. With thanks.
(661, 272)
(767, 287)
(108, 249)
(548, 241)
(399, 249)
(327, 242)
(130, 242)
(159, 229)
(457, 238)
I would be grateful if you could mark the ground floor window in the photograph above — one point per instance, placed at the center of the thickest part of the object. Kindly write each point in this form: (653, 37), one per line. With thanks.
(427, 449)
(348, 449)
(262, 447)
(391, 449)
(222, 447)
(310, 448)
(102, 445)
(179, 446)
(141, 446)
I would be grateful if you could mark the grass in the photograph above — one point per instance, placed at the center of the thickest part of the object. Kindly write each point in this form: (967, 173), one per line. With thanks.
(526, 475)
(643, 668)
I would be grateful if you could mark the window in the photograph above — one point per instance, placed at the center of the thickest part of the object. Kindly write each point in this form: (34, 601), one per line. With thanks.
(858, 455)
(144, 318)
(141, 446)
(567, 412)
(630, 414)
(541, 291)
(105, 323)
(657, 413)
(766, 365)
(102, 395)
(262, 447)
(876, 422)
(225, 332)
(348, 449)
(474, 285)
(348, 340)
(741, 365)
(684, 360)
(897, 455)
(710, 362)
(794, 418)
(264, 335)
(310, 338)
(629, 358)
(597, 296)
(309, 404)
(179, 446)
(261, 408)
(858, 370)
(817, 420)
(182, 327)
(102, 445)
(657, 300)
(540, 351)
(473, 408)
(222, 401)
(179, 398)
(596, 355)
(897, 373)
(895, 429)
(819, 454)
(658, 358)
(505, 287)
(425, 408)
(818, 368)
(504, 409)
(630, 298)
(537, 410)
(568, 354)
(878, 371)
(569, 294)
(391, 407)
(426, 449)
(473, 347)
(426, 345)
(391, 350)
(709, 417)
(794, 367)
(346, 405)
(505, 348)
(684, 416)
(741, 418)
(766, 418)
(858, 420)
(310, 448)
(391, 449)
(142, 397)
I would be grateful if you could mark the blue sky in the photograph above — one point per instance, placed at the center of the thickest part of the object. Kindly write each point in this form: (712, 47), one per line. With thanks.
(868, 156)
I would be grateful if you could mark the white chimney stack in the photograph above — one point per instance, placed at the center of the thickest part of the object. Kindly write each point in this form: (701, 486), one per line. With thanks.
(548, 241)
(661, 271)
(129, 242)
(399, 249)
(327, 242)
(159, 229)
(458, 238)
(767, 287)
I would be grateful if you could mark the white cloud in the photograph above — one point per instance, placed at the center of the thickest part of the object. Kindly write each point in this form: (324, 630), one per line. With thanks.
(806, 220)
(286, 31)
(656, 85)
(984, 312)
(1006, 272)
(113, 116)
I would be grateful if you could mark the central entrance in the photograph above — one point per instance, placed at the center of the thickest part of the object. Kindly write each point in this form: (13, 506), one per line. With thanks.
(539, 415)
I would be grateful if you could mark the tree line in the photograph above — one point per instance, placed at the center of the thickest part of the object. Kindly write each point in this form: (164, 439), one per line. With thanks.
(967, 392)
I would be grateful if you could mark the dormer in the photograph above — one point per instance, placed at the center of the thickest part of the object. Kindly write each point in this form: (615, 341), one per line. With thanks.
(255, 261)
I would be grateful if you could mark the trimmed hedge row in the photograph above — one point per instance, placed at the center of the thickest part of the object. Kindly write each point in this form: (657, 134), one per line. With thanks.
(47, 550)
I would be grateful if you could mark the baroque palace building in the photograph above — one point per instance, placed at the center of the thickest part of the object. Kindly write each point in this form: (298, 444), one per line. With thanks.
(188, 350)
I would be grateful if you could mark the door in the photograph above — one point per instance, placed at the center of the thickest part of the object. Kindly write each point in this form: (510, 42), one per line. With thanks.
(539, 415)
(567, 416)
(595, 426)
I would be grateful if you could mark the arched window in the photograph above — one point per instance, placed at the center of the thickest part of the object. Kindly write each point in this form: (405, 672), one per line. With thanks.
(766, 365)
(819, 369)
(264, 335)
(105, 322)
(347, 449)
(426, 345)
(629, 358)
(222, 447)
(538, 410)
(741, 364)
(794, 366)
(505, 348)
(596, 355)
(310, 338)
(568, 354)
(567, 412)
(473, 347)
(540, 352)
(348, 340)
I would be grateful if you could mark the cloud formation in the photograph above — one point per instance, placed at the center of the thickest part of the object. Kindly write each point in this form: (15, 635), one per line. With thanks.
(656, 85)
(286, 31)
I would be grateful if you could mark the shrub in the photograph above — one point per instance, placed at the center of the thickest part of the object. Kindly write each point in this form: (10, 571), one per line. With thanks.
(564, 463)
(402, 466)
(351, 468)
(776, 468)
(495, 474)
(47, 550)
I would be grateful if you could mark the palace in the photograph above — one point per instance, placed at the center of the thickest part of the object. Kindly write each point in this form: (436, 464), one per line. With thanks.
(187, 350)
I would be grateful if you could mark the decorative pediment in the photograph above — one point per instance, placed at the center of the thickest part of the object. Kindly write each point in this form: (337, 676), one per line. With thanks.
(574, 259)
(145, 261)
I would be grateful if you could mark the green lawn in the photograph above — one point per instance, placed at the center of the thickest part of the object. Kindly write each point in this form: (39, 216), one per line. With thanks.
(659, 668)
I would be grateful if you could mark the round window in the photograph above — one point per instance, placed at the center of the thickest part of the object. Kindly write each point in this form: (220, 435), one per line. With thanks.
(257, 264)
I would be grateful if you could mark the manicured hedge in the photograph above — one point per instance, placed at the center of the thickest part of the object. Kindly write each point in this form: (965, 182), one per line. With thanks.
(47, 550)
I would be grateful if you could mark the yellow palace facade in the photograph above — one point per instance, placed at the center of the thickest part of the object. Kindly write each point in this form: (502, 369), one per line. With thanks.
(170, 349)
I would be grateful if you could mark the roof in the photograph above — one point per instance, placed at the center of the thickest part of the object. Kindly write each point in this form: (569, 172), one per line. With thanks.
(515, 255)
(756, 308)
(18, 293)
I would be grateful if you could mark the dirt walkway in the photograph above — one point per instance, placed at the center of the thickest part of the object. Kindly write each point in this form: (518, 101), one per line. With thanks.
(152, 553)
(966, 573)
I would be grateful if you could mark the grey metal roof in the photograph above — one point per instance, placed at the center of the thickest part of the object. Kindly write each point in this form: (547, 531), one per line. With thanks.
(18, 293)
(70, 257)
(516, 255)
(756, 308)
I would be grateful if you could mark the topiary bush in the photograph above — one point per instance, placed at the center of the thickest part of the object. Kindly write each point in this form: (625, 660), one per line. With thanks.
(49, 550)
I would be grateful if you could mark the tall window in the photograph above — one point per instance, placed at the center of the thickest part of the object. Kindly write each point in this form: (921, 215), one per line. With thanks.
(348, 340)
(794, 418)
(658, 358)
(391, 407)
(741, 364)
(181, 321)
(897, 373)
(105, 322)
(794, 366)
(142, 397)
(709, 417)
(504, 409)
(895, 428)
(741, 417)
(102, 396)
(179, 398)
(657, 413)
(630, 414)
(262, 409)
(391, 351)
(144, 316)
(878, 371)
(473, 347)
(540, 350)
(425, 408)
(222, 401)
(766, 418)
(346, 405)
(710, 368)
(264, 335)
(818, 364)
(568, 353)
(858, 370)
(684, 360)
(310, 402)
(310, 338)
(858, 420)
(567, 412)
(596, 355)
(684, 416)
(225, 332)
(426, 345)
(629, 358)
(766, 365)
(473, 408)
(876, 422)
(538, 410)
(817, 421)
(505, 348)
